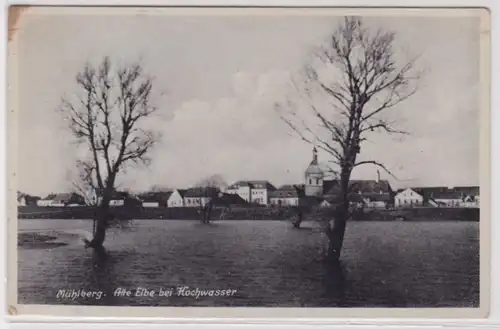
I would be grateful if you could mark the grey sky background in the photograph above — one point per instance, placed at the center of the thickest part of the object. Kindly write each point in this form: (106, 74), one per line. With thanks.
(217, 79)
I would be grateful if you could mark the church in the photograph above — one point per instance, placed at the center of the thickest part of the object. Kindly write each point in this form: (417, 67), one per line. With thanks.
(377, 192)
(314, 177)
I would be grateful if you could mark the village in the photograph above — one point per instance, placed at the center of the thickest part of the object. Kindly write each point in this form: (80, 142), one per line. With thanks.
(316, 191)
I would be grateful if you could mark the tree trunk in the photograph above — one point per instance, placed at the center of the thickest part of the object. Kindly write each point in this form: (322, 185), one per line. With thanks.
(207, 212)
(100, 228)
(298, 220)
(336, 234)
(101, 220)
(336, 238)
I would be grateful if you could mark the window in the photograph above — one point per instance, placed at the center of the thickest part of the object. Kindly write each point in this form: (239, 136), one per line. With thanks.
(310, 181)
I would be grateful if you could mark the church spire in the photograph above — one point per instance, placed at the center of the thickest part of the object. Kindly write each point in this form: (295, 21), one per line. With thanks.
(315, 156)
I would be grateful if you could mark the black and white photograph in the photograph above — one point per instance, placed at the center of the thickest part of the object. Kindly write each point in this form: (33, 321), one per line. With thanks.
(248, 158)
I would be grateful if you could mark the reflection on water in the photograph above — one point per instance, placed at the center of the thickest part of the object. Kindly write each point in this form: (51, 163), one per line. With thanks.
(400, 264)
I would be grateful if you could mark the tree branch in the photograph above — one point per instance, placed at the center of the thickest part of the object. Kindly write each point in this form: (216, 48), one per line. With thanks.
(378, 164)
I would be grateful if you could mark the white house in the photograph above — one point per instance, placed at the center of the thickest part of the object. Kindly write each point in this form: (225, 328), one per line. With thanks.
(442, 196)
(61, 200)
(155, 199)
(199, 196)
(260, 190)
(285, 196)
(150, 204)
(241, 188)
(408, 198)
(176, 199)
(254, 191)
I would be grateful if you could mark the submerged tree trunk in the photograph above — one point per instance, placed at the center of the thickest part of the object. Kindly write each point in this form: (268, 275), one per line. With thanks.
(101, 222)
(298, 220)
(207, 212)
(337, 232)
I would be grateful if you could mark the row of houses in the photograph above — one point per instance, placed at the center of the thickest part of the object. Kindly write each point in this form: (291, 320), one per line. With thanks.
(364, 193)
(52, 200)
(317, 190)
(461, 196)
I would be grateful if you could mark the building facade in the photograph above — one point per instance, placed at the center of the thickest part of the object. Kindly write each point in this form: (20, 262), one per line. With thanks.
(241, 188)
(314, 176)
(286, 196)
(199, 196)
(408, 198)
(176, 199)
(255, 191)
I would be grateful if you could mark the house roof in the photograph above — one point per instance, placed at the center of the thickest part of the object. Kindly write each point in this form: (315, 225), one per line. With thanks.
(287, 191)
(239, 184)
(182, 192)
(353, 197)
(448, 195)
(430, 191)
(62, 197)
(155, 196)
(262, 184)
(376, 197)
(228, 198)
(258, 184)
(467, 190)
(439, 192)
(198, 192)
(115, 195)
(50, 196)
(360, 186)
(65, 197)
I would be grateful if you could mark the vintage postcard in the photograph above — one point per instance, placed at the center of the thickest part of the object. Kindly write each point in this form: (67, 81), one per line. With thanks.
(249, 162)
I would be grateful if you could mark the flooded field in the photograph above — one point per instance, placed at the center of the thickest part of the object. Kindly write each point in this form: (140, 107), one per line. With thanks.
(262, 263)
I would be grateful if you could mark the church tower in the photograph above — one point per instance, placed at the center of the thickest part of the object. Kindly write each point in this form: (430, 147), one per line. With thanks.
(314, 177)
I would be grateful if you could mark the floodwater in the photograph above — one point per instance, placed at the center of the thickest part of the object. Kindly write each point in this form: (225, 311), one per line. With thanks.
(254, 263)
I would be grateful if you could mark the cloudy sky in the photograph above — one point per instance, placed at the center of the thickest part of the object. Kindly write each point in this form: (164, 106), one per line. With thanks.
(217, 79)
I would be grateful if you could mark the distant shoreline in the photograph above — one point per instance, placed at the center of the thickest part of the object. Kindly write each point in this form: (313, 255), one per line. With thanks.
(264, 214)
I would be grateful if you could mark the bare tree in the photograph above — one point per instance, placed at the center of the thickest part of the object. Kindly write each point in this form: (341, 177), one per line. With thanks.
(105, 116)
(216, 181)
(350, 82)
(212, 188)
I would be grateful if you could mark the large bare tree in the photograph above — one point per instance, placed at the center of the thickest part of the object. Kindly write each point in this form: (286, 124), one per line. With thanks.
(107, 115)
(347, 87)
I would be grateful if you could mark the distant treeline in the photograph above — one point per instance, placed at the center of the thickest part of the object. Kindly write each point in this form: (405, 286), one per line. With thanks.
(249, 213)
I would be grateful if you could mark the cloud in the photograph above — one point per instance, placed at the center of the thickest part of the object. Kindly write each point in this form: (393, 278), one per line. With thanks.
(237, 135)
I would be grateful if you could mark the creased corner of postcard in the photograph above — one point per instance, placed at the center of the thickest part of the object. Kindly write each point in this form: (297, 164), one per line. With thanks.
(15, 13)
